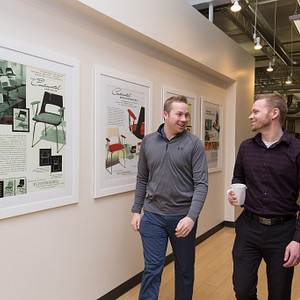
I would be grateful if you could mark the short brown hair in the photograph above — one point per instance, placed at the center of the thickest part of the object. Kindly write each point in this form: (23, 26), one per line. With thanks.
(275, 101)
(168, 102)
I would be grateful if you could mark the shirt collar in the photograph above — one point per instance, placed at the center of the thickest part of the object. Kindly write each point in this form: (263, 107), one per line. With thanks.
(285, 138)
(161, 131)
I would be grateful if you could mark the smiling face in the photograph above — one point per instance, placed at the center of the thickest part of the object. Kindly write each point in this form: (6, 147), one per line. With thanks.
(261, 115)
(177, 119)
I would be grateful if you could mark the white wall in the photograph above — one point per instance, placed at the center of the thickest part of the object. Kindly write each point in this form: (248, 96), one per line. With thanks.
(83, 251)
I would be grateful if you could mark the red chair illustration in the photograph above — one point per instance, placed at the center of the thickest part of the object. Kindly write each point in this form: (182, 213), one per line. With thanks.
(138, 129)
(114, 143)
(139, 146)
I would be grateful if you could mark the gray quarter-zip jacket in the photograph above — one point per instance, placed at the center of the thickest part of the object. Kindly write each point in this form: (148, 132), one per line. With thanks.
(172, 177)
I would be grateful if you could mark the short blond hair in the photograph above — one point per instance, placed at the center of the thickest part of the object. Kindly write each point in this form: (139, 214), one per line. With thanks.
(168, 102)
(275, 101)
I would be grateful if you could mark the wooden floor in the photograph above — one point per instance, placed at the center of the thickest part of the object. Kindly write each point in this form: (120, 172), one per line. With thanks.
(213, 273)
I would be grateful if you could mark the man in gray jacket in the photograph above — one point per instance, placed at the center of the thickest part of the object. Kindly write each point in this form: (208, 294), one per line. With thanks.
(171, 188)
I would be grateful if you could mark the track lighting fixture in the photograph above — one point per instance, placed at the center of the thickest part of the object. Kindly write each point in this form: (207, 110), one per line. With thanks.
(289, 79)
(235, 7)
(256, 38)
(257, 46)
(270, 68)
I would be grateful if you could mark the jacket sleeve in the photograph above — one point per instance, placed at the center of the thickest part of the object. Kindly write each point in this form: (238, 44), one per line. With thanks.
(141, 180)
(200, 177)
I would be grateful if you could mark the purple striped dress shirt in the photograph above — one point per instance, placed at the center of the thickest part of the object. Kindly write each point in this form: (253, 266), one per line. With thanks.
(272, 176)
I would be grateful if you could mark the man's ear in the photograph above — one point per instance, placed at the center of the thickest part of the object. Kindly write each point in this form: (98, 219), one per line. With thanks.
(276, 113)
(165, 114)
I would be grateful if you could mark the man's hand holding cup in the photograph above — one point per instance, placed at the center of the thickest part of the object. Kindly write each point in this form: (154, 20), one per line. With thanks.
(237, 194)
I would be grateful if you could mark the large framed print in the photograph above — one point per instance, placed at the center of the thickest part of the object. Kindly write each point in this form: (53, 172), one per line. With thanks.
(212, 132)
(122, 119)
(191, 98)
(39, 119)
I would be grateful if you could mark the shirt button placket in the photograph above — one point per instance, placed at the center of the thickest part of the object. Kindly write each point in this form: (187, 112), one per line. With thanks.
(265, 173)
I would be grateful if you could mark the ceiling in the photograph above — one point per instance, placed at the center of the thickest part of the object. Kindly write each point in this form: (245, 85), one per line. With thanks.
(279, 39)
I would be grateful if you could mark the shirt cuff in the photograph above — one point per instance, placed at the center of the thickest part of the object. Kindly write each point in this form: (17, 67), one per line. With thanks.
(136, 209)
(296, 237)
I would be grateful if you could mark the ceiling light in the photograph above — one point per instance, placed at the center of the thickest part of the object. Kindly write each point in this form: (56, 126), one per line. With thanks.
(296, 20)
(256, 38)
(235, 7)
(289, 79)
(257, 46)
(270, 68)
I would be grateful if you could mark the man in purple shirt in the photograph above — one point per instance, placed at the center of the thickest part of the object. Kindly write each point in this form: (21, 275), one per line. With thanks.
(269, 165)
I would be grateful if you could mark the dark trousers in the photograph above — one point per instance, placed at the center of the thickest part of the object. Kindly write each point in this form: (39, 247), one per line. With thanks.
(254, 242)
(155, 231)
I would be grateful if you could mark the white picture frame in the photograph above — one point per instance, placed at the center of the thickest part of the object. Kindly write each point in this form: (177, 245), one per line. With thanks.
(168, 92)
(26, 186)
(212, 132)
(122, 118)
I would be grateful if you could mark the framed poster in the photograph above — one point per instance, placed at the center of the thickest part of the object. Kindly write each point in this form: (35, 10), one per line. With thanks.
(211, 133)
(169, 92)
(38, 129)
(122, 119)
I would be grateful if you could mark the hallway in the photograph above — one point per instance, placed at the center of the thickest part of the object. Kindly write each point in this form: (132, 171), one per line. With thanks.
(213, 272)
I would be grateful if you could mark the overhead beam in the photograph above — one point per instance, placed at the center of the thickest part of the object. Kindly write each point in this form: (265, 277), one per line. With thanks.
(294, 89)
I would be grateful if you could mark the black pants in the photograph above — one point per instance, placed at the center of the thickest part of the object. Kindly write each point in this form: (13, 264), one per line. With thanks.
(254, 242)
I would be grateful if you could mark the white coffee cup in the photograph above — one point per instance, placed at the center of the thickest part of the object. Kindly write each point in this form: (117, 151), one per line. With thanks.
(239, 190)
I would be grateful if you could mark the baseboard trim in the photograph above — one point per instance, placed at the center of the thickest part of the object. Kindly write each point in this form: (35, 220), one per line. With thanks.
(123, 288)
(135, 280)
(229, 224)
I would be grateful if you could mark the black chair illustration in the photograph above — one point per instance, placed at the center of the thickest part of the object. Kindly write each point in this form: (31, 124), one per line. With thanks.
(138, 129)
(22, 117)
(45, 157)
(12, 77)
(6, 86)
(21, 186)
(132, 149)
(21, 183)
(56, 163)
(10, 72)
(47, 116)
